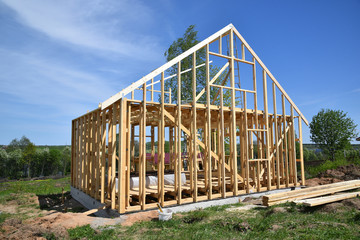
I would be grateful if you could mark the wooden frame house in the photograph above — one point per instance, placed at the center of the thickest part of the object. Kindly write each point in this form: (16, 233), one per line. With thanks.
(235, 133)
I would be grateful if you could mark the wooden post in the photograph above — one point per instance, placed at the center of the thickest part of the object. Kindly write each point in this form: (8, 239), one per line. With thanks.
(93, 155)
(98, 154)
(267, 132)
(103, 155)
(122, 155)
(276, 139)
(233, 117)
(246, 148)
(194, 131)
(128, 155)
(179, 133)
(113, 155)
(142, 157)
(222, 144)
(82, 154)
(208, 120)
(110, 145)
(285, 141)
(301, 153)
(87, 154)
(152, 91)
(162, 142)
(152, 135)
(294, 145)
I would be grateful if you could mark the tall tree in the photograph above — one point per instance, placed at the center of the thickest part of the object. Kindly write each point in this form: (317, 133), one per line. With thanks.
(332, 130)
(28, 155)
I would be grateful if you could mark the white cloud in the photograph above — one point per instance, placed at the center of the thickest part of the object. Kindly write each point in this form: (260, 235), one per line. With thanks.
(43, 82)
(112, 26)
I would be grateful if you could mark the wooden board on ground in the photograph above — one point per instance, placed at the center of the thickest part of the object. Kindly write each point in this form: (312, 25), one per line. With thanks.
(322, 190)
(328, 199)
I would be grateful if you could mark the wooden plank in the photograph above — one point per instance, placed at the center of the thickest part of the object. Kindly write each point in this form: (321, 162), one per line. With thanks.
(93, 155)
(208, 120)
(233, 117)
(293, 144)
(123, 136)
(86, 154)
(273, 199)
(109, 158)
(301, 154)
(193, 133)
(328, 199)
(103, 155)
(76, 167)
(128, 155)
(142, 157)
(222, 145)
(246, 152)
(113, 155)
(218, 149)
(276, 138)
(304, 191)
(98, 156)
(162, 141)
(152, 90)
(72, 153)
(267, 133)
(82, 161)
(258, 183)
(179, 134)
(285, 141)
(152, 139)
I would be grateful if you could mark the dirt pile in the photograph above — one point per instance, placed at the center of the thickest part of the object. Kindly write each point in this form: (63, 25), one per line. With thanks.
(342, 173)
(345, 173)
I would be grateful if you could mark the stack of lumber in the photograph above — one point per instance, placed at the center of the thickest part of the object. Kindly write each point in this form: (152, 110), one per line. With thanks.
(311, 196)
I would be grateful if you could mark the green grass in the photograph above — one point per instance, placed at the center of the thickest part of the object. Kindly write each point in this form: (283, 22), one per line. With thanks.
(13, 190)
(86, 232)
(217, 223)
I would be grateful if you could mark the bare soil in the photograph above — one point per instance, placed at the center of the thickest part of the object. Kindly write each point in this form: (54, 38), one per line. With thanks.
(342, 173)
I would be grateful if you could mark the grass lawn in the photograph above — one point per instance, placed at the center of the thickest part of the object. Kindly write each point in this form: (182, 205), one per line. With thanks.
(286, 221)
(10, 190)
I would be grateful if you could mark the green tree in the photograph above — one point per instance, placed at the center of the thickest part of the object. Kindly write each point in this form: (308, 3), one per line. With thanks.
(28, 156)
(332, 130)
(14, 165)
(21, 144)
(3, 160)
(66, 159)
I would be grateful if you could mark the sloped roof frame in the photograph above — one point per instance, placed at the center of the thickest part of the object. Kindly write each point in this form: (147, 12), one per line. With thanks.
(185, 54)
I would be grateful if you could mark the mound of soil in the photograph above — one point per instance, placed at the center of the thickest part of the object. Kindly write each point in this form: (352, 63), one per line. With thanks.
(342, 173)
(345, 173)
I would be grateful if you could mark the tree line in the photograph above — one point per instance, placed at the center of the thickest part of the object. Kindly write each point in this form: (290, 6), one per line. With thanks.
(22, 159)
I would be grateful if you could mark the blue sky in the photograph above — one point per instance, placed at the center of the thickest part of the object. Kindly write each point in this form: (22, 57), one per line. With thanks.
(59, 59)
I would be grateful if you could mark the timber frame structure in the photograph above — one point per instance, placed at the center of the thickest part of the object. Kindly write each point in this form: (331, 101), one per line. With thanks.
(240, 138)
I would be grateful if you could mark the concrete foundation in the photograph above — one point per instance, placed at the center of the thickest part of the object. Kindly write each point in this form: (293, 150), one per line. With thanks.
(219, 202)
(91, 203)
